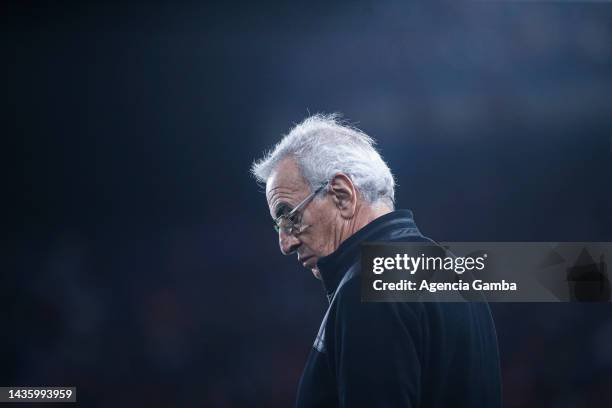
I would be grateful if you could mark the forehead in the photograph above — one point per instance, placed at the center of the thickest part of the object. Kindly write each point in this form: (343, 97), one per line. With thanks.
(286, 183)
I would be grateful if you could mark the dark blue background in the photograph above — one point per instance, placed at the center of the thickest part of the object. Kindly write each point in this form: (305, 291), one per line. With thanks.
(139, 252)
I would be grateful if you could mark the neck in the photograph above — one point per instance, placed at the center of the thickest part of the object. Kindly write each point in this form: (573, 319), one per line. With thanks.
(364, 214)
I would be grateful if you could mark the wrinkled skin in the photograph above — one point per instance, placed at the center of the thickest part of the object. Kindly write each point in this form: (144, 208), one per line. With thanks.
(333, 216)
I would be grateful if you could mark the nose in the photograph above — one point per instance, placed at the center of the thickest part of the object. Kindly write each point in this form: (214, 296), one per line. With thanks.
(288, 243)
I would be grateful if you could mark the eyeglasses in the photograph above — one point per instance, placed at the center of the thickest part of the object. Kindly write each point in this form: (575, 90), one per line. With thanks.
(291, 223)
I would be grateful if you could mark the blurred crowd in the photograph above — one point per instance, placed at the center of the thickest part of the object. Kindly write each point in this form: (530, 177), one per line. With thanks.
(140, 264)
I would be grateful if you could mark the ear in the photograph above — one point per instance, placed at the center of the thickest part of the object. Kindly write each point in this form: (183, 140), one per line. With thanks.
(344, 195)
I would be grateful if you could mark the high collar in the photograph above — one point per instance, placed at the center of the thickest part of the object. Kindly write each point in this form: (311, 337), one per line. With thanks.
(394, 225)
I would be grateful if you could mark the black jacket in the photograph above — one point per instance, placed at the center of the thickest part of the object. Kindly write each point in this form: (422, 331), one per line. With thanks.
(397, 354)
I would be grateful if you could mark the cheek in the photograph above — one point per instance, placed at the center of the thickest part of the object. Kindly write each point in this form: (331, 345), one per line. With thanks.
(321, 237)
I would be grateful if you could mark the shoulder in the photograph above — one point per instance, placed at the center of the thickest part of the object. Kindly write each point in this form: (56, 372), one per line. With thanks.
(349, 307)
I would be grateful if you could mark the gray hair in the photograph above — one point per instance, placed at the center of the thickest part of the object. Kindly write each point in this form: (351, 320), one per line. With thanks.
(324, 145)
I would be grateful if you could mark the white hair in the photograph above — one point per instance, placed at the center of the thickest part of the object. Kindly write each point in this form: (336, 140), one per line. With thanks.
(323, 145)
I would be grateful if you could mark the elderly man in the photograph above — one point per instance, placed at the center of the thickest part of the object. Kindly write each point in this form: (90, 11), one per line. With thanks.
(329, 190)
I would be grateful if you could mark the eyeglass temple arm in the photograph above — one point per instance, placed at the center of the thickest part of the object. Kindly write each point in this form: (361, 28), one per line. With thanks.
(300, 205)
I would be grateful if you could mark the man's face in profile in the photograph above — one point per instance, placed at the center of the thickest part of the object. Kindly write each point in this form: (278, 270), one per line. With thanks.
(285, 189)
